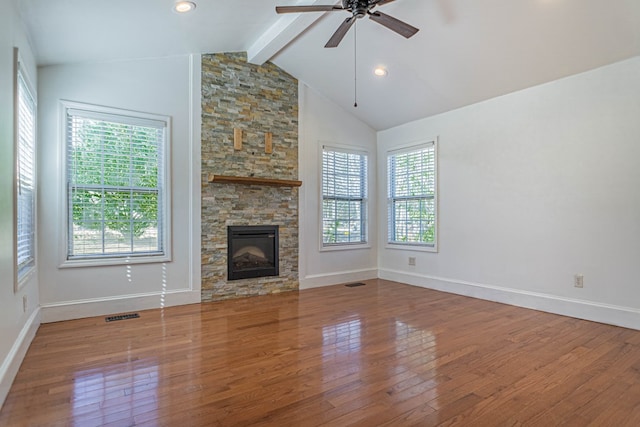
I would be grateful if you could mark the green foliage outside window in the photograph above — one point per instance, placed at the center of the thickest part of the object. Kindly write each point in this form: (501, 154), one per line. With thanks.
(115, 157)
(113, 171)
(412, 211)
(344, 191)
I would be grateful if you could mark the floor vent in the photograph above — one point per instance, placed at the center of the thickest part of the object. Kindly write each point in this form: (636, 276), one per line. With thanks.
(353, 285)
(121, 317)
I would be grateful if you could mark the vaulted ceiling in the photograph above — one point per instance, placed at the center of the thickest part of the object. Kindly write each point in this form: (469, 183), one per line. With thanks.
(466, 50)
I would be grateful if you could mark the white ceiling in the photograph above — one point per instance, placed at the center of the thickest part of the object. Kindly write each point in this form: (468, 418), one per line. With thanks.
(466, 50)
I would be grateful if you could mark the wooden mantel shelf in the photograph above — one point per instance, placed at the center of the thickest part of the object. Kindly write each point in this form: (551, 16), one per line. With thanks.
(250, 180)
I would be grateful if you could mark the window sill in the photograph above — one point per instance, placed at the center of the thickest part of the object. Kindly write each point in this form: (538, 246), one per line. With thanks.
(116, 261)
(412, 247)
(345, 247)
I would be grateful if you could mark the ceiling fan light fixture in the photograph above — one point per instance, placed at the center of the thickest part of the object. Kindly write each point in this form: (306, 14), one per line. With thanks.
(184, 6)
(380, 71)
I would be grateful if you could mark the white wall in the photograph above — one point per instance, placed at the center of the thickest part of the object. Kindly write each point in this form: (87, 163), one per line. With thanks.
(17, 325)
(322, 122)
(535, 187)
(166, 86)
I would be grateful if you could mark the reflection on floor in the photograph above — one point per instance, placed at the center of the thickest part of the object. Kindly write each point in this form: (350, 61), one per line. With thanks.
(379, 354)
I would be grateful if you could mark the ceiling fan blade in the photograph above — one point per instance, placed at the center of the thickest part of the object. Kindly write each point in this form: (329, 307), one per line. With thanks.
(298, 9)
(394, 24)
(381, 2)
(337, 37)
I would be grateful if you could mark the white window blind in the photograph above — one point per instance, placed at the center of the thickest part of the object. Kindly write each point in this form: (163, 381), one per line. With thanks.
(115, 185)
(344, 197)
(25, 177)
(412, 196)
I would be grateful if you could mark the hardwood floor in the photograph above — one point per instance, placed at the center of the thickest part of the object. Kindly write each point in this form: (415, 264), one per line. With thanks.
(384, 354)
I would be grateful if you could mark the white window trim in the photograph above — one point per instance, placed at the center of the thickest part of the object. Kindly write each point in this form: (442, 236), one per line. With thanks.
(64, 106)
(342, 246)
(417, 247)
(20, 280)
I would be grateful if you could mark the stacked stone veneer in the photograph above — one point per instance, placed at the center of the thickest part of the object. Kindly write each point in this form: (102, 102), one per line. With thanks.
(256, 99)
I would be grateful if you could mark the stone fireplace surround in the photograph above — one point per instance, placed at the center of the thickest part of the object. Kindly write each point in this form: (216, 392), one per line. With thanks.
(257, 100)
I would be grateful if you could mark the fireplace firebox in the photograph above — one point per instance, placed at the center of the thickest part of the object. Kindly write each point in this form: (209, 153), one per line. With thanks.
(252, 251)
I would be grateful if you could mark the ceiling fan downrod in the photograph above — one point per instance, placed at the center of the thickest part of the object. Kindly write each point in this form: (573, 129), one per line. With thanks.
(355, 66)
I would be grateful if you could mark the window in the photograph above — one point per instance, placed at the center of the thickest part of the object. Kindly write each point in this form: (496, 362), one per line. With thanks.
(412, 196)
(116, 179)
(25, 176)
(344, 197)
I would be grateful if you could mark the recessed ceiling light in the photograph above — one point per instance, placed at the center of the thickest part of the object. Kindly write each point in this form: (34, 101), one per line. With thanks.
(184, 6)
(380, 71)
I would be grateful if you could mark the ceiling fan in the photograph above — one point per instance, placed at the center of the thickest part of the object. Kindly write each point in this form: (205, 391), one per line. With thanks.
(358, 9)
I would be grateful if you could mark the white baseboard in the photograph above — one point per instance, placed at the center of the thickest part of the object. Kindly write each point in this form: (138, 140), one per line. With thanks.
(11, 364)
(318, 280)
(68, 310)
(604, 313)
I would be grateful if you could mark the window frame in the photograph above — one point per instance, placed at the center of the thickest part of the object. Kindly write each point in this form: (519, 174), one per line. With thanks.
(412, 246)
(326, 247)
(164, 199)
(22, 274)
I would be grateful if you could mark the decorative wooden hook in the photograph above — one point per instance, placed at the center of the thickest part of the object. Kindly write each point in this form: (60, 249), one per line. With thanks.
(268, 145)
(237, 139)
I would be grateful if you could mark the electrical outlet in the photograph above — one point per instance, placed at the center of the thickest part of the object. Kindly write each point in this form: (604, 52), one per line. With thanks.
(24, 303)
(412, 260)
(578, 281)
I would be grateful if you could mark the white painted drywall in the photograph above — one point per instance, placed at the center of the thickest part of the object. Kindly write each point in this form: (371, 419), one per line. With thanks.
(17, 326)
(535, 186)
(166, 86)
(323, 122)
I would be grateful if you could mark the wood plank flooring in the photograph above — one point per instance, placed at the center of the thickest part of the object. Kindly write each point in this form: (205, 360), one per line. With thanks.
(384, 354)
